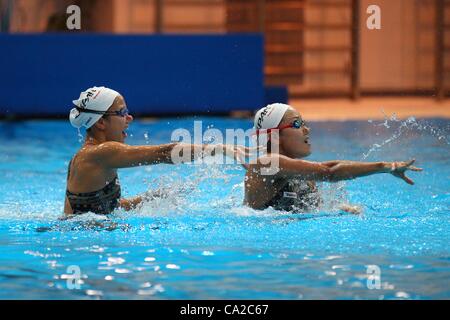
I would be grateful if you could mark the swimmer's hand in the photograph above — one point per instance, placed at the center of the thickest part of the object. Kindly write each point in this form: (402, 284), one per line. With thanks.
(243, 154)
(350, 208)
(238, 153)
(398, 169)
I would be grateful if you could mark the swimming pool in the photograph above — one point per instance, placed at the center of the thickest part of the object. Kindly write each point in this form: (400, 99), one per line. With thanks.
(201, 243)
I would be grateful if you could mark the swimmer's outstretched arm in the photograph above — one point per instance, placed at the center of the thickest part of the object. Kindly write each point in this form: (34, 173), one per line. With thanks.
(397, 168)
(119, 155)
(343, 170)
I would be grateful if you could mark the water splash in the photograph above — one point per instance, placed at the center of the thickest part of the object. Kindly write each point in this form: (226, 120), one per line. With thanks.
(80, 136)
(197, 188)
(411, 124)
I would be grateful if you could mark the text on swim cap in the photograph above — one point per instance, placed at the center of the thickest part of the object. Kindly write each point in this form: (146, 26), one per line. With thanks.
(88, 96)
(261, 117)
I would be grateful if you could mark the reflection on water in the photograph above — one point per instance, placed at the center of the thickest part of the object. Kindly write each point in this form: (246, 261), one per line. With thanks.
(187, 272)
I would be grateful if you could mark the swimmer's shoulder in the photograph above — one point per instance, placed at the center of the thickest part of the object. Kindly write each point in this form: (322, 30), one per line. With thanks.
(101, 151)
(92, 157)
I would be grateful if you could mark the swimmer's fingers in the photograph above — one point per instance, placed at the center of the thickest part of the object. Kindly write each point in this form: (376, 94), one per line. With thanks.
(240, 152)
(242, 162)
(399, 169)
(402, 176)
(240, 156)
(407, 180)
(244, 150)
(409, 165)
(405, 165)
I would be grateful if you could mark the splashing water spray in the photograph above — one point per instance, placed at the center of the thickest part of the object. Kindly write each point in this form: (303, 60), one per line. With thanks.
(409, 124)
(80, 136)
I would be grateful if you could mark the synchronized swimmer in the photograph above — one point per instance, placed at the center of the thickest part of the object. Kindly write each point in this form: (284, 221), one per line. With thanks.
(92, 181)
(93, 184)
(292, 187)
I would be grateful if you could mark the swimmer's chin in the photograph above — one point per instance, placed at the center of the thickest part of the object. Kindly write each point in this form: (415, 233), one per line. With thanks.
(309, 151)
(305, 154)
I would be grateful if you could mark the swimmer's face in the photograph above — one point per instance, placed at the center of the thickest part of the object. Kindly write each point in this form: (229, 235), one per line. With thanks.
(115, 125)
(294, 142)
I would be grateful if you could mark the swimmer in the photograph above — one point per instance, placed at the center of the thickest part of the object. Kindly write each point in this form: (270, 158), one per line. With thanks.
(285, 136)
(92, 181)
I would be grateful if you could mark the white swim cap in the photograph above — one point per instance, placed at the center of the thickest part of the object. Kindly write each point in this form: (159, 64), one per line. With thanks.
(270, 116)
(95, 99)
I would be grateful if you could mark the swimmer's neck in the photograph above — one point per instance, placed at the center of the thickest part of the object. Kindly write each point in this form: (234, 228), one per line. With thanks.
(282, 152)
(91, 140)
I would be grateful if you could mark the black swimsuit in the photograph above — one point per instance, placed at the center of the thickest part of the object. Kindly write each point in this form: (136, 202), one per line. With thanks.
(296, 195)
(103, 201)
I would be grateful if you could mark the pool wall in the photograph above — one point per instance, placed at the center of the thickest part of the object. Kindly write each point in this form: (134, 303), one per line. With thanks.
(157, 74)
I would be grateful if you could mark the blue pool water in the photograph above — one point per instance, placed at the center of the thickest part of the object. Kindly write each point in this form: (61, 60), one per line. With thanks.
(202, 243)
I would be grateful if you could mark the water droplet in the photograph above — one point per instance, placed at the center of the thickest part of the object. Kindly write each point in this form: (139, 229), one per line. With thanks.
(146, 285)
(94, 293)
(113, 260)
(402, 294)
(118, 270)
(80, 136)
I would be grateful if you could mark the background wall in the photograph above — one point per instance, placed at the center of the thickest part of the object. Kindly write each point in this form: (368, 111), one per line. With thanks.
(399, 57)
(156, 74)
